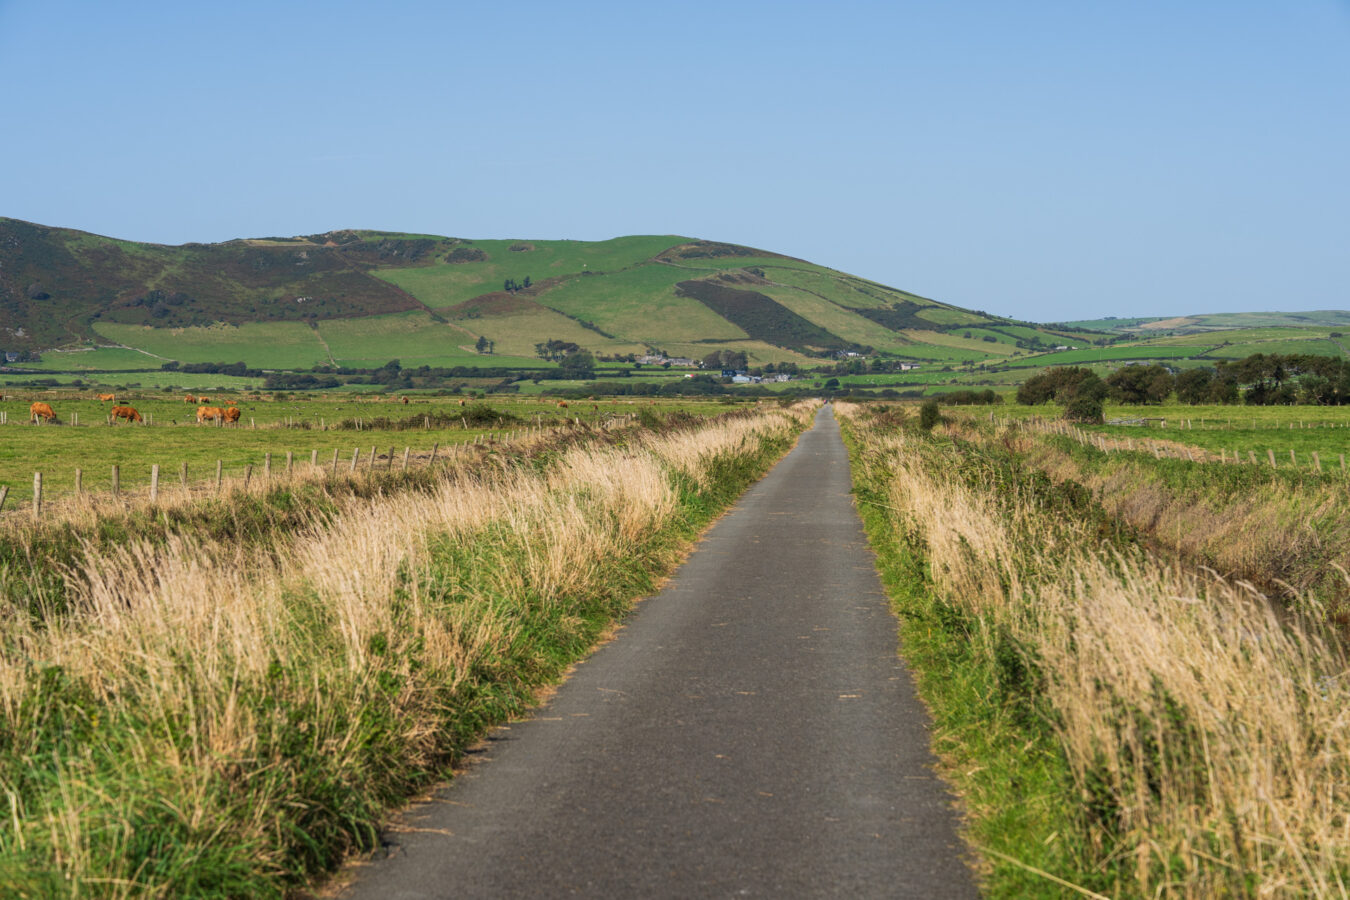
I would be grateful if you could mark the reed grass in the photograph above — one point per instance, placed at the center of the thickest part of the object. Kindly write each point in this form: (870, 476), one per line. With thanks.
(203, 716)
(1161, 731)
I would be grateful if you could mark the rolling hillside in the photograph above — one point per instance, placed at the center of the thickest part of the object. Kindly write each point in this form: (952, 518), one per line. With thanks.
(358, 299)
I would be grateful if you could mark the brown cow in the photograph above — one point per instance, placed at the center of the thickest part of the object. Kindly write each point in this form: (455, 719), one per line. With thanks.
(231, 414)
(125, 412)
(461, 403)
(189, 399)
(209, 414)
(562, 404)
(230, 403)
(203, 399)
(41, 411)
(107, 398)
(405, 399)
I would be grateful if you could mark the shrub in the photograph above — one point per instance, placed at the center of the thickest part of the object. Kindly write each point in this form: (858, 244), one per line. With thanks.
(929, 415)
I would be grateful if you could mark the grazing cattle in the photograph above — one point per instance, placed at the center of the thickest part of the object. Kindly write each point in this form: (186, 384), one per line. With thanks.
(562, 404)
(189, 399)
(107, 398)
(461, 403)
(231, 414)
(405, 399)
(41, 411)
(209, 414)
(230, 403)
(203, 399)
(125, 412)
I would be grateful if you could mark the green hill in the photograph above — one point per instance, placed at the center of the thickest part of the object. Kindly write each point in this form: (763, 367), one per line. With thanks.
(361, 298)
(355, 297)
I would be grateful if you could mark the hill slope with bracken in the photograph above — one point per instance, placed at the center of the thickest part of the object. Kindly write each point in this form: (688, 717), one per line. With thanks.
(353, 297)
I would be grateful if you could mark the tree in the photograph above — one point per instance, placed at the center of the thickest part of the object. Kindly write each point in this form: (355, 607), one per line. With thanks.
(1193, 385)
(1140, 384)
(1057, 383)
(578, 364)
(554, 349)
(482, 344)
(1085, 409)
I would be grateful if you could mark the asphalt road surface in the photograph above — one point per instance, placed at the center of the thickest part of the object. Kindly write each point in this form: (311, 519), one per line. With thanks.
(750, 732)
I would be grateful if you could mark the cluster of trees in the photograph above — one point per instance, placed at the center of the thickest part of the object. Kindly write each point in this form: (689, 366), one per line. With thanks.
(1257, 380)
(238, 368)
(554, 350)
(725, 359)
(1078, 389)
(483, 345)
(1272, 379)
(511, 285)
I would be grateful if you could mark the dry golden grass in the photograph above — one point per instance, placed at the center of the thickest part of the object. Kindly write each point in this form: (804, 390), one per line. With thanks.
(183, 634)
(1208, 734)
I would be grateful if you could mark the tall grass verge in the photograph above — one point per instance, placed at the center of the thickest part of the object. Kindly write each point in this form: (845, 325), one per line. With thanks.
(207, 717)
(1115, 719)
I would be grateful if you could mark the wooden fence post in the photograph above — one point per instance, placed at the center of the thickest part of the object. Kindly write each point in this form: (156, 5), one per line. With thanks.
(289, 462)
(371, 464)
(248, 475)
(116, 480)
(4, 492)
(267, 466)
(406, 450)
(37, 494)
(335, 457)
(1317, 462)
(219, 469)
(434, 447)
(79, 481)
(182, 476)
(1271, 453)
(356, 454)
(1251, 454)
(1293, 460)
(154, 482)
(390, 467)
(314, 458)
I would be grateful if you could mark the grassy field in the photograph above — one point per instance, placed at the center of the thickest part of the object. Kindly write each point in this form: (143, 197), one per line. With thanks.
(300, 426)
(641, 303)
(87, 358)
(212, 700)
(1120, 712)
(270, 345)
(1103, 354)
(413, 338)
(1288, 346)
(443, 286)
(172, 381)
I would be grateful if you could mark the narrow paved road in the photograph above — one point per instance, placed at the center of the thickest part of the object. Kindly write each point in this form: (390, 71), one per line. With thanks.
(750, 732)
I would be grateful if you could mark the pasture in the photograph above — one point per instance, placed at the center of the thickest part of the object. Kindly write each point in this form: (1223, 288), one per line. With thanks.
(1303, 429)
(300, 426)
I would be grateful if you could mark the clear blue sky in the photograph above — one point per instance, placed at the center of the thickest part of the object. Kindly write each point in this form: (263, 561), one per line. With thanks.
(1044, 160)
